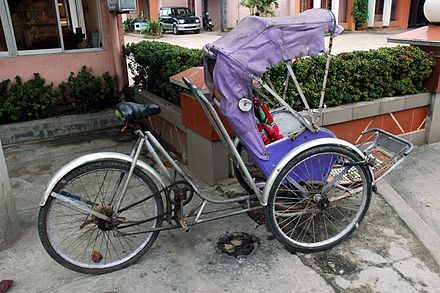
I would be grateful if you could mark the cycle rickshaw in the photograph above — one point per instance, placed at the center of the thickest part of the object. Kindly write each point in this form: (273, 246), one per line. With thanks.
(103, 211)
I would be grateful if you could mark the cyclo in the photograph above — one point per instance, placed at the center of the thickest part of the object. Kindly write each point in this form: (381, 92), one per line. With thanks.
(101, 212)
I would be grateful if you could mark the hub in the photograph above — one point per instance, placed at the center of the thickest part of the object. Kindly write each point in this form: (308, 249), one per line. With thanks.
(103, 224)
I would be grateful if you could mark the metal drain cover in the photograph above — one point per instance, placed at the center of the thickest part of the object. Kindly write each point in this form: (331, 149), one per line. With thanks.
(238, 244)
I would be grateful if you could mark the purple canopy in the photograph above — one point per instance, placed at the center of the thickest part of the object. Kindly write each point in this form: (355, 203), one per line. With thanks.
(255, 45)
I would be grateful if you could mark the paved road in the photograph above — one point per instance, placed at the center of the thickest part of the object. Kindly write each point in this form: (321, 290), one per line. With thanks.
(346, 42)
(383, 255)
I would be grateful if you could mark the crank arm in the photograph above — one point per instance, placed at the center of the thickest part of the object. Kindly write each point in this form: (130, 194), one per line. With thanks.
(77, 204)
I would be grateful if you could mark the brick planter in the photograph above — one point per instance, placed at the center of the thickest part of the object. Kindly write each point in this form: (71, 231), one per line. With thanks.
(405, 116)
(190, 134)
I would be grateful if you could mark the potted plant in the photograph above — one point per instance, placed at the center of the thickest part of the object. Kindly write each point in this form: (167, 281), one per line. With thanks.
(360, 13)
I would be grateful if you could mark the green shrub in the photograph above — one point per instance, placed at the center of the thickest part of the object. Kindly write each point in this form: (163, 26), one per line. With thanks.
(360, 12)
(4, 86)
(153, 29)
(27, 100)
(261, 7)
(128, 24)
(153, 63)
(85, 92)
(354, 76)
(358, 76)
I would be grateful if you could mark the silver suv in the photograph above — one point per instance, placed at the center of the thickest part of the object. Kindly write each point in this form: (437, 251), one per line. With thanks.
(178, 19)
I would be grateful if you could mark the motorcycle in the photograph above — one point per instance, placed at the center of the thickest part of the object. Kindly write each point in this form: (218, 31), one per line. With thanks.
(208, 24)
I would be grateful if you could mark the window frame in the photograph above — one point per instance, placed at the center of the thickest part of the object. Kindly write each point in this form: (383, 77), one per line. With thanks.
(9, 37)
(8, 30)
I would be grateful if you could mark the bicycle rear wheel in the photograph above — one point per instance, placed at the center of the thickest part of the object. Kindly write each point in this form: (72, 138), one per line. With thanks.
(258, 177)
(319, 198)
(82, 242)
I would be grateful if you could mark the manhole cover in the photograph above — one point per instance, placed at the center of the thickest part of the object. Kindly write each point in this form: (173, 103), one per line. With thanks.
(238, 244)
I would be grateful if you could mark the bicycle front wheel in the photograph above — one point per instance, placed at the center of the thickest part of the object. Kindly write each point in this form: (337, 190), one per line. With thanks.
(319, 198)
(82, 242)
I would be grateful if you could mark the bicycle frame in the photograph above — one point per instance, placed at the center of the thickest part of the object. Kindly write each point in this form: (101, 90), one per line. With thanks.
(151, 144)
(148, 141)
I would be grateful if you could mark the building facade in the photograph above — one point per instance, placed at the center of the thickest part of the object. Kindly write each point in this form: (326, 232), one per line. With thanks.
(396, 14)
(56, 37)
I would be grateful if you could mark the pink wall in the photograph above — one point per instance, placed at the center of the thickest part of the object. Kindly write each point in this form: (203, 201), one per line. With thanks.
(183, 3)
(215, 13)
(57, 67)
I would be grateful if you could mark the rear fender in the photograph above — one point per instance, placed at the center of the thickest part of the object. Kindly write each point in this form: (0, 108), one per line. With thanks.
(95, 157)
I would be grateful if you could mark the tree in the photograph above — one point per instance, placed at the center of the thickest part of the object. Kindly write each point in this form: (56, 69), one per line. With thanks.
(261, 7)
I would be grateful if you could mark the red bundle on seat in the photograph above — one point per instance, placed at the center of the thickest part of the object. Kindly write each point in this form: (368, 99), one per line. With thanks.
(268, 129)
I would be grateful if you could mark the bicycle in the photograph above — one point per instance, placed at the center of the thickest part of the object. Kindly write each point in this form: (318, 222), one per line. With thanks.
(101, 212)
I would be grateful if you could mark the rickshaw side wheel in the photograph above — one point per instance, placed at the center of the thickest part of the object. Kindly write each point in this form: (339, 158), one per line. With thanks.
(254, 171)
(319, 198)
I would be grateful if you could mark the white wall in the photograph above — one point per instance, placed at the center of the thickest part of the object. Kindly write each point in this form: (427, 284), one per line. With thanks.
(235, 14)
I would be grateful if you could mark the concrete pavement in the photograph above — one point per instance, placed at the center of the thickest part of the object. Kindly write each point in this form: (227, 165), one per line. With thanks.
(383, 255)
(414, 189)
(349, 41)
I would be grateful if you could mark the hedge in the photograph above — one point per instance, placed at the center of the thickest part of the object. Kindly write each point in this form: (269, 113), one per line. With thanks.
(355, 76)
(34, 99)
(359, 75)
(153, 63)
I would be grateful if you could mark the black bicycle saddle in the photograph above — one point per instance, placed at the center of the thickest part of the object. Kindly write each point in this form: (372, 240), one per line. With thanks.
(131, 112)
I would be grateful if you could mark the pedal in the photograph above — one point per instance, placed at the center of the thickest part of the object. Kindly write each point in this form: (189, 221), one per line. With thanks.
(183, 225)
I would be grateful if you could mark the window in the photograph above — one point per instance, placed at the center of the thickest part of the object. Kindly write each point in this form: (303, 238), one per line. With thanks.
(3, 46)
(305, 5)
(50, 25)
(35, 24)
(165, 12)
(393, 9)
(180, 11)
(79, 24)
(327, 4)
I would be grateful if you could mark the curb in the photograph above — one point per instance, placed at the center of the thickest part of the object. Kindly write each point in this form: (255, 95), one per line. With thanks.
(429, 238)
(57, 126)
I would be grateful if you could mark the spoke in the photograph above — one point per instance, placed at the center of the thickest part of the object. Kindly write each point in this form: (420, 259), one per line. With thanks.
(126, 241)
(75, 233)
(306, 228)
(113, 246)
(95, 186)
(329, 218)
(336, 209)
(79, 238)
(296, 225)
(325, 225)
(88, 243)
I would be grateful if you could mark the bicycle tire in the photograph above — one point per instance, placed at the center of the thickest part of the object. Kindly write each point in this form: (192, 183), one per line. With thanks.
(91, 259)
(297, 218)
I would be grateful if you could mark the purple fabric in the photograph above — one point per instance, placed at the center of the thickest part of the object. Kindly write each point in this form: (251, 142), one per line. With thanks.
(277, 150)
(256, 44)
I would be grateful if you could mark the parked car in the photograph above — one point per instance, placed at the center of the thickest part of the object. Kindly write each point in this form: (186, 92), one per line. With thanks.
(178, 19)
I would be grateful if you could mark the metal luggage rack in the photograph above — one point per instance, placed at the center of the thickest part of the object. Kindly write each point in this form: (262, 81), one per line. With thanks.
(385, 150)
